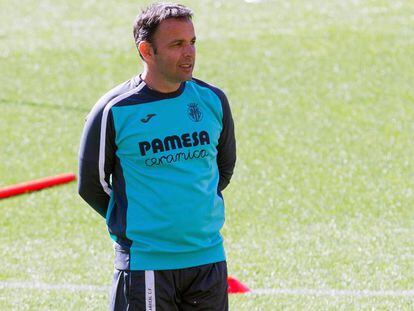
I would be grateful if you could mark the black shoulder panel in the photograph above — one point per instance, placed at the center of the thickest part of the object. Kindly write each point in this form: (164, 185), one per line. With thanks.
(226, 156)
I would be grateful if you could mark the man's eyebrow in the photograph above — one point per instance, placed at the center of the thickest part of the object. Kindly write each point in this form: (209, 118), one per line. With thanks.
(181, 40)
(177, 41)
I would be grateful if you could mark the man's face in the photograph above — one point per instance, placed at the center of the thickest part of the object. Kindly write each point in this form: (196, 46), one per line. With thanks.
(174, 50)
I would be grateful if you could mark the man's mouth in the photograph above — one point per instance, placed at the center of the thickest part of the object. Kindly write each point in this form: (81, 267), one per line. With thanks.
(186, 66)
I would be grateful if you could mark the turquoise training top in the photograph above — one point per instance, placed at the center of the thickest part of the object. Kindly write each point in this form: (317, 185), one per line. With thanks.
(154, 165)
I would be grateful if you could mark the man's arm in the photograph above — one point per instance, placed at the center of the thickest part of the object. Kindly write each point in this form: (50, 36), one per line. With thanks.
(96, 158)
(226, 156)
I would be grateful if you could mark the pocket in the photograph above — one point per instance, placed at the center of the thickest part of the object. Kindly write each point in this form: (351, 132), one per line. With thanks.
(222, 269)
(119, 299)
(216, 278)
(126, 276)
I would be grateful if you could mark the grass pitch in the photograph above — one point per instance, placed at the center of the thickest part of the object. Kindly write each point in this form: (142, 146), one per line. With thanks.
(322, 96)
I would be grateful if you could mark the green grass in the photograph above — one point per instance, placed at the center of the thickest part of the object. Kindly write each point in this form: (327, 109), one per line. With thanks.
(322, 96)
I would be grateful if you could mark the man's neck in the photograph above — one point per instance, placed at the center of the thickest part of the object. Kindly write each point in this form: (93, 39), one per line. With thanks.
(158, 85)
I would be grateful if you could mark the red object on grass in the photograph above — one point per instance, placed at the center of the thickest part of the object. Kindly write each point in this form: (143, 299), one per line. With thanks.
(236, 287)
(35, 185)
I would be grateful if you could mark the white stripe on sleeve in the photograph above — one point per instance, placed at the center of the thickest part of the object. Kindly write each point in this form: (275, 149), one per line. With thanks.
(104, 120)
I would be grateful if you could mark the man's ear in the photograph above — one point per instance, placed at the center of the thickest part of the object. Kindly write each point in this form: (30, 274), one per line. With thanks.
(146, 51)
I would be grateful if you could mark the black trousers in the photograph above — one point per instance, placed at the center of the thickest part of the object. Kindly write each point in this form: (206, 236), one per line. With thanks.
(201, 288)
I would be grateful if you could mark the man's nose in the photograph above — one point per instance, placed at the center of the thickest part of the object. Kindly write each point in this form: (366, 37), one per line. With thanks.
(189, 50)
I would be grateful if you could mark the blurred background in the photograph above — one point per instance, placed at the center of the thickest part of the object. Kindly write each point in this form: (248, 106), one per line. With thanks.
(320, 209)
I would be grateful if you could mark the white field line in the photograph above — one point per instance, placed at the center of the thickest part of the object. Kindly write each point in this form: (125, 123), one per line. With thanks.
(259, 291)
(332, 292)
(43, 286)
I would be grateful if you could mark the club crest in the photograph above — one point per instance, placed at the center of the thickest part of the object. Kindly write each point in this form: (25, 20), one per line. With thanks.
(194, 112)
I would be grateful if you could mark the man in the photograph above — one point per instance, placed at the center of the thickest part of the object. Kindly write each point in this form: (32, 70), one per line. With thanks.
(155, 154)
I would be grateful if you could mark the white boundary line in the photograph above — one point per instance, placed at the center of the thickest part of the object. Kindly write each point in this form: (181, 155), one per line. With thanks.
(259, 291)
(332, 292)
(43, 286)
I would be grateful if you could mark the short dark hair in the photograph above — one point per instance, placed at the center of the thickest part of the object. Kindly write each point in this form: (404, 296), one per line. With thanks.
(149, 19)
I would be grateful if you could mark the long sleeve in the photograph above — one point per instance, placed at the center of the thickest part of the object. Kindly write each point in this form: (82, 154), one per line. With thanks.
(96, 158)
(226, 157)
